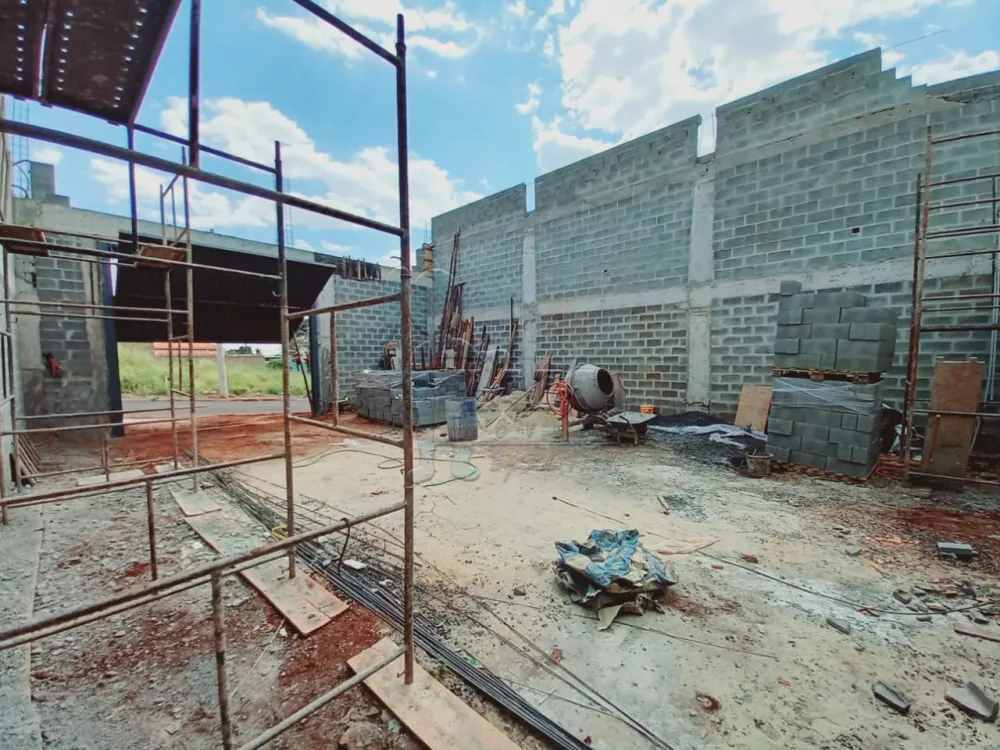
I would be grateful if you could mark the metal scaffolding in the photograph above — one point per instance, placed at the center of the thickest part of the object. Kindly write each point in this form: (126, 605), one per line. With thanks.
(952, 222)
(171, 255)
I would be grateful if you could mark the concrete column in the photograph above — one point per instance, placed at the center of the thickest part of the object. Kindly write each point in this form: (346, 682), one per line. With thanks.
(325, 385)
(701, 274)
(220, 363)
(529, 310)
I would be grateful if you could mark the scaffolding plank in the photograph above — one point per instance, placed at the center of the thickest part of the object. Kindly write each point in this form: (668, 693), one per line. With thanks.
(438, 718)
(754, 405)
(304, 603)
(955, 386)
(114, 477)
(194, 503)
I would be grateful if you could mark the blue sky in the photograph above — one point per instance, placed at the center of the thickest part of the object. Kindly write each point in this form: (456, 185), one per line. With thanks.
(499, 92)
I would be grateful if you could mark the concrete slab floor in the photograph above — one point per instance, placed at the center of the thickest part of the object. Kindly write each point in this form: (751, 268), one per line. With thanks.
(761, 647)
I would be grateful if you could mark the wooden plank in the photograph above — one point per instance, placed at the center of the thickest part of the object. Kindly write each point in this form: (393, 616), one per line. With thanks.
(755, 403)
(487, 373)
(194, 503)
(305, 603)
(438, 718)
(977, 632)
(115, 475)
(955, 386)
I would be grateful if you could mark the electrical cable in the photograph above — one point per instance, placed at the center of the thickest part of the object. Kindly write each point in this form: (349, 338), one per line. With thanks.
(391, 462)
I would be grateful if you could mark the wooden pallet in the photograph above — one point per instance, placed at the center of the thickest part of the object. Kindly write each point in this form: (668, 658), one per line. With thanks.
(861, 378)
(821, 474)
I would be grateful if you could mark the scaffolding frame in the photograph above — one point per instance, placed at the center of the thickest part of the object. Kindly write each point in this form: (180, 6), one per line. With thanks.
(212, 574)
(923, 304)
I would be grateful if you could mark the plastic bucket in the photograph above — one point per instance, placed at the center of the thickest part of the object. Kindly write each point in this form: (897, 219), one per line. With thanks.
(463, 419)
(759, 464)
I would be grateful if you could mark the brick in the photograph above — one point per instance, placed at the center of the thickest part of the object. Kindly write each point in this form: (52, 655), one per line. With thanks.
(785, 441)
(818, 447)
(849, 437)
(779, 453)
(847, 468)
(791, 317)
(866, 423)
(797, 301)
(849, 422)
(794, 332)
(832, 330)
(839, 299)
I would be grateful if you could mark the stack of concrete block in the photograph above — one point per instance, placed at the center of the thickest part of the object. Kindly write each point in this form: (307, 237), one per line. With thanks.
(828, 425)
(833, 331)
(379, 395)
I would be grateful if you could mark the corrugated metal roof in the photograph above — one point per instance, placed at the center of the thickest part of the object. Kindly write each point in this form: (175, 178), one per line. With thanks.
(227, 308)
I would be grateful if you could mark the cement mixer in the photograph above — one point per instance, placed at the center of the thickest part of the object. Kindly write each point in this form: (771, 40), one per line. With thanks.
(591, 392)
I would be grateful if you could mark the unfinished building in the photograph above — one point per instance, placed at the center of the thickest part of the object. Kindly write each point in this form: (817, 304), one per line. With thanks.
(172, 577)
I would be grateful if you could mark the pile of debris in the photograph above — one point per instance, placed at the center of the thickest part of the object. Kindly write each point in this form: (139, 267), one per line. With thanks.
(613, 572)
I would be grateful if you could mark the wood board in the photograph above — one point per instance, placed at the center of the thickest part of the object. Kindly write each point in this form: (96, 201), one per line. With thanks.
(115, 476)
(755, 403)
(487, 373)
(305, 603)
(194, 503)
(438, 718)
(977, 632)
(955, 386)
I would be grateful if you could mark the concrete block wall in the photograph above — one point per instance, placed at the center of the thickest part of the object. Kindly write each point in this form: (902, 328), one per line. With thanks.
(812, 180)
(363, 333)
(76, 344)
(653, 367)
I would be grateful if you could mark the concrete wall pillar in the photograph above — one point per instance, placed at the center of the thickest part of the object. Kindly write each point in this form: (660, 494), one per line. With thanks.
(325, 385)
(701, 274)
(220, 363)
(529, 310)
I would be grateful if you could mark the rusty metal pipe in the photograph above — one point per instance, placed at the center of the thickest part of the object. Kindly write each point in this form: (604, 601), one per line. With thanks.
(348, 431)
(219, 633)
(151, 523)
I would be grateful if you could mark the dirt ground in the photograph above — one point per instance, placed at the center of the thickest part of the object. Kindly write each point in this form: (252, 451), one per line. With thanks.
(746, 624)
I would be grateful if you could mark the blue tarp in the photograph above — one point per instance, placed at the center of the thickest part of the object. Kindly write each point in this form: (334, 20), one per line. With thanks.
(614, 562)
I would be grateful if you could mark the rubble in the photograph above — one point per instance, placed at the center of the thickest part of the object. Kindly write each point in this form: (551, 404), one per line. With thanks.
(891, 697)
(971, 699)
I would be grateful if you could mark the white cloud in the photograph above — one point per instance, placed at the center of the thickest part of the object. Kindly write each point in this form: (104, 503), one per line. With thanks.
(958, 64)
(550, 46)
(336, 249)
(531, 103)
(432, 74)
(442, 31)
(302, 244)
(517, 8)
(210, 209)
(557, 8)
(364, 184)
(555, 148)
(633, 66)
(47, 155)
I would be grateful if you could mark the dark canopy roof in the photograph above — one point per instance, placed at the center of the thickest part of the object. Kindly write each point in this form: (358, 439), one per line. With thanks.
(94, 56)
(227, 307)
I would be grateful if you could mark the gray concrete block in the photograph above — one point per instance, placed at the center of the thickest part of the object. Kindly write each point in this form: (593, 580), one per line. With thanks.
(793, 332)
(821, 315)
(808, 459)
(864, 356)
(847, 421)
(815, 432)
(837, 466)
(820, 360)
(790, 317)
(839, 299)
(781, 346)
(785, 441)
(832, 330)
(845, 452)
(776, 426)
(818, 447)
(869, 315)
(849, 437)
(865, 425)
(789, 413)
(797, 301)
(786, 289)
(780, 454)
(787, 360)
(871, 332)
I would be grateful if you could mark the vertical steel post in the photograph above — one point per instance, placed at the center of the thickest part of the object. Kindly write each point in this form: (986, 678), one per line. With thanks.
(151, 522)
(168, 294)
(334, 385)
(133, 200)
(8, 350)
(286, 398)
(104, 456)
(190, 330)
(219, 630)
(15, 440)
(913, 289)
(916, 314)
(194, 85)
(407, 344)
(994, 312)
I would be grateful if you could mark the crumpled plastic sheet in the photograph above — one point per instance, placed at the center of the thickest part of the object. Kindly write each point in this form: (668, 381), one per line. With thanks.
(611, 563)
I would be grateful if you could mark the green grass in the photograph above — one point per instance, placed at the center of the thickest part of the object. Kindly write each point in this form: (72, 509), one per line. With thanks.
(145, 375)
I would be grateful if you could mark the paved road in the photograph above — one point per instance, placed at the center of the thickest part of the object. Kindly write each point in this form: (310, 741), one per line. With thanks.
(208, 406)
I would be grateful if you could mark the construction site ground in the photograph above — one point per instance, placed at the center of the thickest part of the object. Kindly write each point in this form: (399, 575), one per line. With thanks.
(741, 657)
